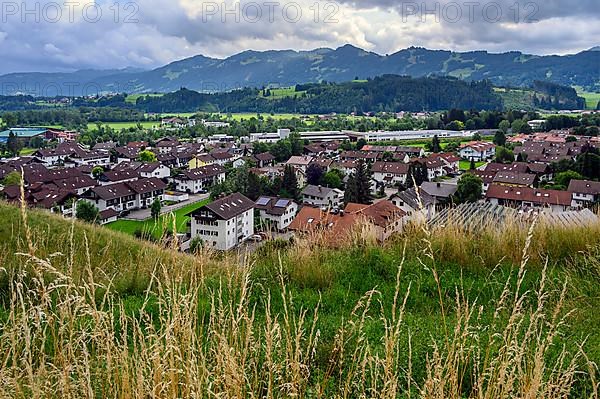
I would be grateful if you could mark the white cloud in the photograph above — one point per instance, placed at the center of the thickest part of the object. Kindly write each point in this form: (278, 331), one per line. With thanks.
(168, 30)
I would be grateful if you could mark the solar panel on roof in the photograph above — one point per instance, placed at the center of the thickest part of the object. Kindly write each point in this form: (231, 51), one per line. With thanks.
(282, 204)
(262, 201)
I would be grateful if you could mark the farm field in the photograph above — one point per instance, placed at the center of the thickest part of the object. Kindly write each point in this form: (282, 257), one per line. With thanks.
(124, 125)
(132, 98)
(157, 228)
(591, 99)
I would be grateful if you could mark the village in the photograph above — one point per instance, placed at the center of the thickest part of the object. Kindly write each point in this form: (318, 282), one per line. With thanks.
(332, 182)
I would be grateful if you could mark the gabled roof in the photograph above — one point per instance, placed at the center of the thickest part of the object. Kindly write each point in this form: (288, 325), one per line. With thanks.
(148, 185)
(227, 207)
(397, 168)
(273, 205)
(202, 172)
(317, 191)
(524, 179)
(584, 187)
(113, 191)
(478, 146)
(380, 214)
(264, 157)
(108, 213)
(119, 175)
(300, 160)
(75, 183)
(439, 190)
(415, 198)
(536, 196)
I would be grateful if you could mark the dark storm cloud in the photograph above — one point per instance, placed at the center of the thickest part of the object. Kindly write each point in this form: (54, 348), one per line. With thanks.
(151, 33)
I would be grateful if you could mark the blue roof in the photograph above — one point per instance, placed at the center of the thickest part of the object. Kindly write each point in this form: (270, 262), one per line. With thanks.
(26, 132)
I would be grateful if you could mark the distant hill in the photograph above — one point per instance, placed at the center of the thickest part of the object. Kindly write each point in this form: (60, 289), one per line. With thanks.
(287, 68)
(389, 93)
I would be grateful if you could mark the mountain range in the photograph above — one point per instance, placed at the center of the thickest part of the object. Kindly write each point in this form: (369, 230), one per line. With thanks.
(288, 67)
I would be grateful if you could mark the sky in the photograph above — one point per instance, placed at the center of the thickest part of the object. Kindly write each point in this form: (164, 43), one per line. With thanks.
(66, 35)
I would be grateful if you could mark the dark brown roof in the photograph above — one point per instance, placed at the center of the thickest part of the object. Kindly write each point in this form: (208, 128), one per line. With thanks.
(148, 185)
(584, 187)
(75, 183)
(113, 191)
(265, 157)
(523, 179)
(228, 207)
(202, 172)
(119, 175)
(536, 196)
(397, 168)
(108, 213)
(273, 205)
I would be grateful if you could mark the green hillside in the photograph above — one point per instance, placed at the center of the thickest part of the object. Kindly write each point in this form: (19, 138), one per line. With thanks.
(433, 313)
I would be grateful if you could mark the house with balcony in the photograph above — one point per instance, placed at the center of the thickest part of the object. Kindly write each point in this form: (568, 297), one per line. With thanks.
(225, 223)
(585, 193)
(280, 212)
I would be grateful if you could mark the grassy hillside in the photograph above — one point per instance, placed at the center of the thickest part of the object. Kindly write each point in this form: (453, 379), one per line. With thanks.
(437, 314)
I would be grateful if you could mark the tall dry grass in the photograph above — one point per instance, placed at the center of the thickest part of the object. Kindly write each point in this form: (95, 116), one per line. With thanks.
(76, 338)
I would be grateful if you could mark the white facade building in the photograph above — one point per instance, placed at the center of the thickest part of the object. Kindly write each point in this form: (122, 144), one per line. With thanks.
(224, 223)
(279, 211)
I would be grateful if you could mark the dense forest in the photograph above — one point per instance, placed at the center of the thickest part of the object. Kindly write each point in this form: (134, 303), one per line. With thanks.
(386, 93)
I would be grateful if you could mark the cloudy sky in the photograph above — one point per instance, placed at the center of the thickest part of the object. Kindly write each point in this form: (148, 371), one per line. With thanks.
(66, 35)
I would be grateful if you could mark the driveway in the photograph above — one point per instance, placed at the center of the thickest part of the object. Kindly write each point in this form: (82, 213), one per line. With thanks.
(143, 214)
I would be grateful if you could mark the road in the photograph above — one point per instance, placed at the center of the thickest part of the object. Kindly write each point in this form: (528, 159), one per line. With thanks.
(143, 214)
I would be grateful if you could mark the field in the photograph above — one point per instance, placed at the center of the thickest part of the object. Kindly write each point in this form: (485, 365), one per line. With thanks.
(282, 92)
(466, 165)
(132, 98)
(516, 98)
(157, 228)
(124, 125)
(248, 115)
(591, 99)
(500, 313)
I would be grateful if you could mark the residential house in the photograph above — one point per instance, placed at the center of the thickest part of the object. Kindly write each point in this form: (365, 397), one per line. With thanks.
(584, 193)
(147, 191)
(119, 197)
(263, 159)
(108, 216)
(441, 192)
(118, 176)
(450, 161)
(199, 180)
(390, 174)
(222, 158)
(201, 160)
(322, 197)
(325, 164)
(166, 145)
(280, 212)
(300, 162)
(154, 169)
(477, 150)
(127, 154)
(487, 178)
(384, 216)
(416, 203)
(76, 184)
(515, 179)
(224, 223)
(527, 198)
